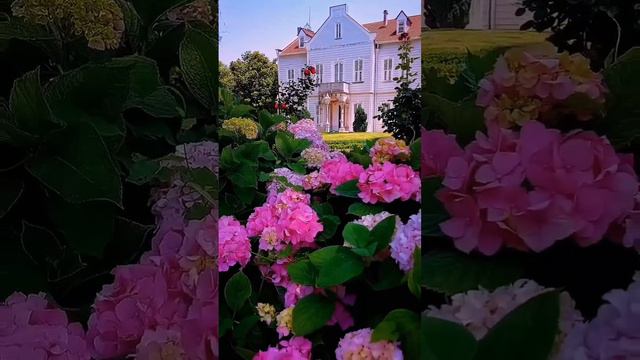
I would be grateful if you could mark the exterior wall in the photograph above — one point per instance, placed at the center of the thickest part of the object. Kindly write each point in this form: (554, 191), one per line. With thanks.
(285, 63)
(505, 17)
(391, 51)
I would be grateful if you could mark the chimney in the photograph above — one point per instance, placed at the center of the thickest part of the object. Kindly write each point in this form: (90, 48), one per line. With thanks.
(385, 13)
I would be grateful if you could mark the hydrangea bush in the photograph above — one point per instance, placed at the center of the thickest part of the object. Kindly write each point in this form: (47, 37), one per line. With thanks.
(529, 183)
(308, 237)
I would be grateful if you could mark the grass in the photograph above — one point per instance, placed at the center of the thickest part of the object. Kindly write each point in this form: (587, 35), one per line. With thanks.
(347, 142)
(445, 50)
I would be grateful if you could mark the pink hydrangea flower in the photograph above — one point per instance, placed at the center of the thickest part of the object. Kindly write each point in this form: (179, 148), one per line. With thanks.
(389, 149)
(437, 149)
(338, 171)
(31, 328)
(613, 334)
(530, 189)
(234, 245)
(388, 182)
(358, 345)
(406, 240)
(528, 86)
(286, 219)
(297, 348)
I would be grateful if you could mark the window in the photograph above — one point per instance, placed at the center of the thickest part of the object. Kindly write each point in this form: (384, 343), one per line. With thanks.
(290, 75)
(338, 71)
(302, 73)
(338, 31)
(301, 40)
(319, 73)
(400, 26)
(388, 65)
(357, 70)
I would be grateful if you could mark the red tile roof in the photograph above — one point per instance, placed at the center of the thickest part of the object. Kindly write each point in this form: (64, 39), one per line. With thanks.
(388, 34)
(384, 34)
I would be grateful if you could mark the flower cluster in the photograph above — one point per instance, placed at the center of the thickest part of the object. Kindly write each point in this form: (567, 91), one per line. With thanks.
(437, 149)
(166, 304)
(388, 182)
(407, 238)
(234, 246)
(198, 10)
(527, 86)
(30, 328)
(308, 130)
(614, 332)
(243, 127)
(101, 22)
(286, 219)
(532, 188)
(480, 310)
(358, 345)
(338, 171)
(297, 348)
(389, 149)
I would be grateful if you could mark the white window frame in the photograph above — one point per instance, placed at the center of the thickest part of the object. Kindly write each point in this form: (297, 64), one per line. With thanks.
(358, 65)
(291, 73)
(319, 72)
(301, 41)
(387, 72)
(401, 26)
(302, 73)
(338, 71)
(338, 30)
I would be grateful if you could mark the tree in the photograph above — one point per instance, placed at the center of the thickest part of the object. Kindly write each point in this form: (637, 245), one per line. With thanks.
(595, 28)
(403, 118)
(360, 121)
(256, 79)
(292, 98)
(227, 80)
(446, 13)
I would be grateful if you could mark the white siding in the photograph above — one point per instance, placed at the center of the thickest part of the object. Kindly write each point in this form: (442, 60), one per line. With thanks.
(285, 63)
(505, 15)
(387, 51)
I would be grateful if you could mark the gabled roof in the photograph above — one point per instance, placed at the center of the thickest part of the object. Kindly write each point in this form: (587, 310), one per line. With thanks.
(294, 46)
(388, 34)
(384, 34)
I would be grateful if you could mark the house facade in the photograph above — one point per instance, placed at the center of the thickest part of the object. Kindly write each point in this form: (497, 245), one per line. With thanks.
(355, 65)
(495, 14)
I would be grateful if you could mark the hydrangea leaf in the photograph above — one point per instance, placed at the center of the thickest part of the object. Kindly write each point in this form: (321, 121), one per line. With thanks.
(526, 333)
(237, 290)
(311, 313)
(446, 340)
(336, 265)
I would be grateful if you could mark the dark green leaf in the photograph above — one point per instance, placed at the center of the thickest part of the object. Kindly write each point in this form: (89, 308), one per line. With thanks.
(404, 323)
(384, 275)
(311, 313)
(414, 280)
(302, 272)
(360, 209)
(237, 290)
(31, 112)
(356, 235)
(381, 234)
(446, 340)
(288, 146)
(527, 333)
(453, 272)
(77, 165)
(12, 188)
(199, 64)
(336, 265)
(349, 189)
(143, 171)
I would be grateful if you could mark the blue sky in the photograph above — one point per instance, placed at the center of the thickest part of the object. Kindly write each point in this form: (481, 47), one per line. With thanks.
(266, 25)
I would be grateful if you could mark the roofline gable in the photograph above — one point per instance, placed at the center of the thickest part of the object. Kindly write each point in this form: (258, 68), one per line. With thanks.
(371, 35)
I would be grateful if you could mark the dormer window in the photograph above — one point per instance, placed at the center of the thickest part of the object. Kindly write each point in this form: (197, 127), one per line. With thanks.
(338, 31)
(301, 42)
(401, 28)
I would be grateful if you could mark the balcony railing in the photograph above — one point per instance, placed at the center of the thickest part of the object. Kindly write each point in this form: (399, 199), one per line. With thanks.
(334, 87)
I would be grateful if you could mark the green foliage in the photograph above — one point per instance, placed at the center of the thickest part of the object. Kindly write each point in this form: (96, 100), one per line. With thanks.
(447, 340)
(254, 79)
(448, 14)
(237, 290)
(84, 125)
(311, 313)
(402, 117)
(360, 121)
(452, 272)
(404, 325)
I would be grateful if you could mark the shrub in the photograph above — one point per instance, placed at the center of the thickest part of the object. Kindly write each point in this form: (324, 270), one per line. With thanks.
(360, 122)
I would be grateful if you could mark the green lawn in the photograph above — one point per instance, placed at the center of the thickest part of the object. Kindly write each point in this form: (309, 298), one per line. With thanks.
(349, 141)
(444, 50)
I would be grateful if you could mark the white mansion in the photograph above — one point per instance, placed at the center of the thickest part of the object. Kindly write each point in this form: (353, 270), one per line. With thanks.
(495, 14)
(355, 65)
